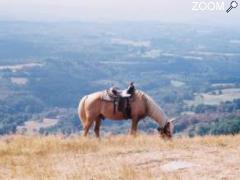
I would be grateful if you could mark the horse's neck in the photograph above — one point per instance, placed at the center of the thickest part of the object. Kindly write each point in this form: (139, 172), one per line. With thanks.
(155, 112)
(159, 117)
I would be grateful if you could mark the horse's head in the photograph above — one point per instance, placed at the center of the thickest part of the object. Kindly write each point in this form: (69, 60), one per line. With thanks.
(167, 130)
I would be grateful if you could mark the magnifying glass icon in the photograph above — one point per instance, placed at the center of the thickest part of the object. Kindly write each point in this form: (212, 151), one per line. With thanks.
(233, 4)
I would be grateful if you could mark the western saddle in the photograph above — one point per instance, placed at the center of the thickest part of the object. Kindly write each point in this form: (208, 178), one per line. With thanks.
(121, 99)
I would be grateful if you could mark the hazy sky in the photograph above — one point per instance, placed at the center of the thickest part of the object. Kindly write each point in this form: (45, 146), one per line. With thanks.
(115, 10)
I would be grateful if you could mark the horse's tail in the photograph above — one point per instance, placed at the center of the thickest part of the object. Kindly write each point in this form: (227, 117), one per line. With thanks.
(81, 110)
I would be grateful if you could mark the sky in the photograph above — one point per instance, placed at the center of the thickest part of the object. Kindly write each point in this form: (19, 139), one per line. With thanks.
(117, 10)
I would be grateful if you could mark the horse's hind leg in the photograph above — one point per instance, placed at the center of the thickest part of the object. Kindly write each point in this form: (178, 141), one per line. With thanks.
(97, 127)
(87, 127)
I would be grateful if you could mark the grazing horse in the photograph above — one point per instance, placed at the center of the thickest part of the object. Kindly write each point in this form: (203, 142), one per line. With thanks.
(92, 108)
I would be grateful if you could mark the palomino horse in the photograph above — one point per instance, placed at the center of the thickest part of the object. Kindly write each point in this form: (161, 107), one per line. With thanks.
(92, 108)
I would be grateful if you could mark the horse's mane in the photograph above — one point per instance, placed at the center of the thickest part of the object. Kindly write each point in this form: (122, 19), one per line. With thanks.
(154, 110)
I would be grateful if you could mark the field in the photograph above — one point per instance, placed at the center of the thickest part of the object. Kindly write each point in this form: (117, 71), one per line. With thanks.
(119, 157)
(214, 98)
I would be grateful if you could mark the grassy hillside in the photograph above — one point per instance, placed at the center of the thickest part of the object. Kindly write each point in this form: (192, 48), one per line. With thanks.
(119, 157)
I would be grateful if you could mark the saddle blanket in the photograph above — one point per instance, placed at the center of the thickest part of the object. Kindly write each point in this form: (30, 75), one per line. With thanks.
(106, 97)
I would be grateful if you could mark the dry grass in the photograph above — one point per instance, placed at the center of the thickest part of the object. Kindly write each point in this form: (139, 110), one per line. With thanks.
(118, 157)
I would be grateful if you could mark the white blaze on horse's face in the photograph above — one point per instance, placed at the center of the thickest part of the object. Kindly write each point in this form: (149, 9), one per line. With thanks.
(171, 128)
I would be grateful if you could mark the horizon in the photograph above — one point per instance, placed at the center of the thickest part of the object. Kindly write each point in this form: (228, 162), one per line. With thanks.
(107, 11)
(224, 27)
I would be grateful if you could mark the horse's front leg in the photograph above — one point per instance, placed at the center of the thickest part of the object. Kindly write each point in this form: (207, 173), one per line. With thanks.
(134, 126)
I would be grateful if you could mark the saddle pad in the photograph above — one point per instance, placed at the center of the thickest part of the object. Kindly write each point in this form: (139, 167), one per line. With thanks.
(107, 97)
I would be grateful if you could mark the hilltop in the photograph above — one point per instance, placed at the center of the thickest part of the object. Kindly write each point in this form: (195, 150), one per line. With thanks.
(119, 157)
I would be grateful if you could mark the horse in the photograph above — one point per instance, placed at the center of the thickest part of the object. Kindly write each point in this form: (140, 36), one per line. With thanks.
(93, 109)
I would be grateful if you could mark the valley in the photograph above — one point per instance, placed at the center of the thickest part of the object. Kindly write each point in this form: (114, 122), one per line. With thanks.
(45, 69)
